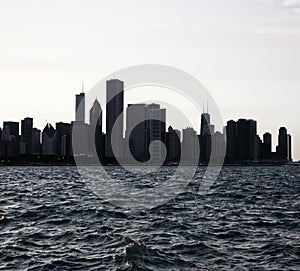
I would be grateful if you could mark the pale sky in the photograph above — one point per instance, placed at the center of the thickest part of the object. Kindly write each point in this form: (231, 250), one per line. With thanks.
(245, 52)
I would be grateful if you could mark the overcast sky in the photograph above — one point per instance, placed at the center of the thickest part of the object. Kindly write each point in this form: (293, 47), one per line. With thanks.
(245, 52)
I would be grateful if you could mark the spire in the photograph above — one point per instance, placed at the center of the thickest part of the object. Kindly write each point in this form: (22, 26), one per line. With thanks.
(207, 106)
(82, 87)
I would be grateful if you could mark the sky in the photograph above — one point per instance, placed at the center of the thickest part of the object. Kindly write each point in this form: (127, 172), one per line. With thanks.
(245, 52)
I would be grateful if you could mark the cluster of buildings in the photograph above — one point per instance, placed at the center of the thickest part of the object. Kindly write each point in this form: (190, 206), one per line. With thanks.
(146, 138)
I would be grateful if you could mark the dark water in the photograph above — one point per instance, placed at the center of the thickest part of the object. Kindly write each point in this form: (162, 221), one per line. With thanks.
(249, 220)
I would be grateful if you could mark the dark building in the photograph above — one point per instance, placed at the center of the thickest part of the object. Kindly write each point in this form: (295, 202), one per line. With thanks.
(96, 141)
(137, 131)
(13, 128)
(290, 148)
(63, 136)
(266, 147)
(241, 140)
(0, 134)
(205, 140)
(80, 107)
(114, 108)
(173, 145)
(231, 142)
(49, 141)
(251, 141)
(157, 132)
(36, 141)
(243, 143)
(27, 135)
(282, 148)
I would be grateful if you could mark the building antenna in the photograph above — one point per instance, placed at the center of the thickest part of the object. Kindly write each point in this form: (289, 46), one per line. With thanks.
(82, 87)
(207, 106)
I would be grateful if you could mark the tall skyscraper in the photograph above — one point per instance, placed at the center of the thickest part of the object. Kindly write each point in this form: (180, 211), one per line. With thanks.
(157, 131)
(80, 107)
(282, 148)
(27, 134)
(251, 141)
(266, 147)
(190, 146)
(49, 141)
(206, 132)
(36, 141)
(173, 145)
(96, 136)
(241, 138)
(114, 108)
(231, 149)
(137, 131)
(63, 137)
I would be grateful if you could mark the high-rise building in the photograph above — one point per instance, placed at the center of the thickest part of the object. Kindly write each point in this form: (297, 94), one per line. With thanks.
(12, 127)
(218, 145)
(173, 145)
(206, 132)
(231, 148)
(80, 107)
(190, 146)
(49, 141)
(157, 132)
(241, 138)
(64, 130)
(251, 141)
(36, 141)
(96, 141)
(290, 148)
(27, 134)
(282, 148)
(137, 131)
(114, 109)
(266, 147)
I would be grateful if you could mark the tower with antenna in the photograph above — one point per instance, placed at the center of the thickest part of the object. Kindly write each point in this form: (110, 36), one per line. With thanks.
(80, 106)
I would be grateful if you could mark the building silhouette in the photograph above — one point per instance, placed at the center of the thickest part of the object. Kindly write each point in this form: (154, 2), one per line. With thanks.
(80, 107)
(137, 131)
(205, 139)
(96, 141)
(173, 141)
(157, 132)
(114, 109)
(49, 141)
(26, 135)
(190, 146)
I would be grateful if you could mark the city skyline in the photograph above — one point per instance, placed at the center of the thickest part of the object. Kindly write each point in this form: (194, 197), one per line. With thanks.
(145, 125)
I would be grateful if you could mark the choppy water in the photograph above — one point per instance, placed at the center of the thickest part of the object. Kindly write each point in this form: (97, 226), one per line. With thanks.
(249, 220)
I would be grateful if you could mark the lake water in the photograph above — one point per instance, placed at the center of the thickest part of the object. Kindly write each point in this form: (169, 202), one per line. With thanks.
(248, 220)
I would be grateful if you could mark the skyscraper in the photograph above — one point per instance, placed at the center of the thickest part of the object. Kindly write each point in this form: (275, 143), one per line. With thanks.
(49, 140)
(137, 131)
(96, 136)
(157, 131)
(36, 141)
(206, 132)
(251, 140)
(173, 145)
(282, 148)
(114, 108)
(190, 146)
(27, 134)
(80, 107)
(231, 149)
